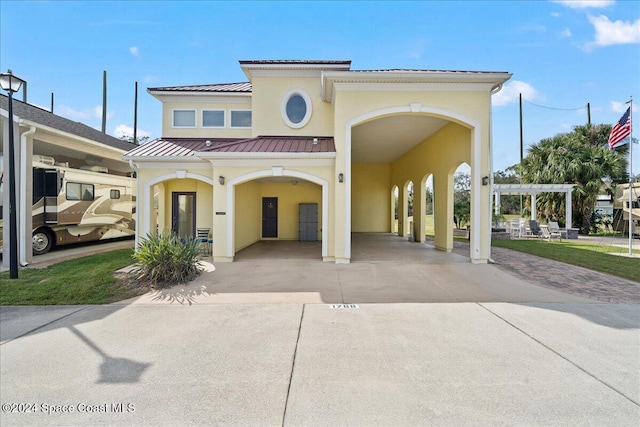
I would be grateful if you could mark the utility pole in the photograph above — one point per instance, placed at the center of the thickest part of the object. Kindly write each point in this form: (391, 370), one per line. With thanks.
(135, 116)
(104, 102)
(589, 113)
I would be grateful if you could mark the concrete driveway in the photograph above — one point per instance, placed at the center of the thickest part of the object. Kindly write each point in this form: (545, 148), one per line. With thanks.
(379, 342)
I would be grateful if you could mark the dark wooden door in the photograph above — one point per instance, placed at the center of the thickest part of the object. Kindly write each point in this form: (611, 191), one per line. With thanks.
(269, 217)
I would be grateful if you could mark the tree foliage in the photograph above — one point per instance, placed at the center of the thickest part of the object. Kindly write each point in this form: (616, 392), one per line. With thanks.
(580, 157)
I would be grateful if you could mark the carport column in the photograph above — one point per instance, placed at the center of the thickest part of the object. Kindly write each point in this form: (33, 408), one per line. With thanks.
(443, 213)
(223, 227)
(402, 210)
(419, 191)
(25, 192)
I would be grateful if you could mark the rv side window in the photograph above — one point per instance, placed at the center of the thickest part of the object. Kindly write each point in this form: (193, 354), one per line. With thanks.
(76, 191)
(115, 194)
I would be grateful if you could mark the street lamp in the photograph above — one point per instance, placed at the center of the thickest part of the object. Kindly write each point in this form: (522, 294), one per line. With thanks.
(12, 84)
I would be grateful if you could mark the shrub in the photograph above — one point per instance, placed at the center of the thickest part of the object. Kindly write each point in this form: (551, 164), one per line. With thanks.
(165, 259)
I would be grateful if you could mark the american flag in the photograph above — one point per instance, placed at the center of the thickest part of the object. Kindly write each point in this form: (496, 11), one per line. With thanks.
(620, 130)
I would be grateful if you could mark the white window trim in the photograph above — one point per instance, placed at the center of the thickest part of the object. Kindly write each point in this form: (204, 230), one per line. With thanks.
(173, 118)
(231, 126)
(283, 108)
(224, 118)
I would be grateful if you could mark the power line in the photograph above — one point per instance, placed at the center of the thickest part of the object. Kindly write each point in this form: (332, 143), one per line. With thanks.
(555, 108)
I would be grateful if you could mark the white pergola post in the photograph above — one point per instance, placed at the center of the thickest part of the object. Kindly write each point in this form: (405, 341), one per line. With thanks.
(534, 206)
(567, 209)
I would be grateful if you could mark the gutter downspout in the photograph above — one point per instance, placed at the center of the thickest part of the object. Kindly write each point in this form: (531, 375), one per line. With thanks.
(23, 195)
(493, 91)
(135, 167)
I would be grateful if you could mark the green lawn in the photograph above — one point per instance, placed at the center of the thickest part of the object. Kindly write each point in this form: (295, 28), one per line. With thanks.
(87, 280)
(593, 257)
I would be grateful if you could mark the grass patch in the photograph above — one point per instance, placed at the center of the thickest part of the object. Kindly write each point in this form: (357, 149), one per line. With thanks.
(87, 280)
(593, 257)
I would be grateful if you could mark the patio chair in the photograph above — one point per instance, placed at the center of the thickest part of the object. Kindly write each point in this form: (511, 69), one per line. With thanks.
(554, 230)
(534, 228)
(202, 236)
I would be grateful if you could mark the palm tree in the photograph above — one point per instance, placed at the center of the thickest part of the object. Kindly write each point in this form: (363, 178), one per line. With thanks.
(580, 157)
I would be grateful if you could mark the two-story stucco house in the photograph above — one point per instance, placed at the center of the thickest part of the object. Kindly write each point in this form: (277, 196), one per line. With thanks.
(312, 150)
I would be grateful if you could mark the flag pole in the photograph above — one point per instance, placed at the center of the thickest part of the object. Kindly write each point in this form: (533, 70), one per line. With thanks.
(631, 177)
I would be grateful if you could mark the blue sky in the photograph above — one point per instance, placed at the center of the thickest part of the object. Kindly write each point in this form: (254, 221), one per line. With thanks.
(563, 55)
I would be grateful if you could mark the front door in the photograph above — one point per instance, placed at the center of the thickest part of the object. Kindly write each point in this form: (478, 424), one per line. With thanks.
(183, 214)
(269, 217)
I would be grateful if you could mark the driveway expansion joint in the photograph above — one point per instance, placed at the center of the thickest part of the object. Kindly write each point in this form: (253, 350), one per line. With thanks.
(561, 356)
(293, 365)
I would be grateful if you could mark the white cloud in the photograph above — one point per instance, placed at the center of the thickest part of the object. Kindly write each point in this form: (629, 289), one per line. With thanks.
(511, 93)
(133, 50)
(584, 4)
(127, 131)
(614, 32)
(556, 14)
(621, 107)
(565, 33)
(86, 114)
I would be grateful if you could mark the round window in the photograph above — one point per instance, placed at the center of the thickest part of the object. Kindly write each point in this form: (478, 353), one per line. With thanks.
(295, 108)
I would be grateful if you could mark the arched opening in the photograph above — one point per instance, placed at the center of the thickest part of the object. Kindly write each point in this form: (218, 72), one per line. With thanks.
(276, 205)
(402, 144)
(394, 209)
(180, 202)
(461, 198)
(429, 206)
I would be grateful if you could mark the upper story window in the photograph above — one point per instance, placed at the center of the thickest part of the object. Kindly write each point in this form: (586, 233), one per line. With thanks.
(240, 118)
(213, 118)
(296, 108)
(184, 118)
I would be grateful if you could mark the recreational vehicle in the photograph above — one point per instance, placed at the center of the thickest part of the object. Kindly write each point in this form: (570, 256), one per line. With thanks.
(78, 205)
(621, 208)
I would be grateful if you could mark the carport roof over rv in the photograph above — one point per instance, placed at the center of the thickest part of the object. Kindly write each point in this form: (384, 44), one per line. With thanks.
(46, 118)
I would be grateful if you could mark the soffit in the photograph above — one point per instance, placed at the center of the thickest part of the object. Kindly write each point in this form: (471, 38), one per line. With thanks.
(386, 139)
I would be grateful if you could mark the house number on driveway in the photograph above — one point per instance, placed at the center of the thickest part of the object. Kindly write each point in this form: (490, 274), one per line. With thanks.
(343, 306)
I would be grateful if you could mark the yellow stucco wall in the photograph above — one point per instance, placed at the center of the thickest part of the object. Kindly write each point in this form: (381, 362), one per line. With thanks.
(370, 197)
(248, 214)
(268, 92)
(289, 197)
(199, 131)
(204, 200)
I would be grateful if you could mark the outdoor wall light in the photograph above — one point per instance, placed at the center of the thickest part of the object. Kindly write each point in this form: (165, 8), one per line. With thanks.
(221, 180)
(485, 180)
(340, 177)
(12, 84)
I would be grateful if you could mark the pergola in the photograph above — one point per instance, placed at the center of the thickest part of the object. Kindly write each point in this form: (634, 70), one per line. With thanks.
(533, 190)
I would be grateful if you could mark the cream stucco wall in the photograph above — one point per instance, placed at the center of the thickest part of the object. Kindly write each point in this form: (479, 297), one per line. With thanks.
(268, 93)
(370, 197)
(200, 104)
(248, 214)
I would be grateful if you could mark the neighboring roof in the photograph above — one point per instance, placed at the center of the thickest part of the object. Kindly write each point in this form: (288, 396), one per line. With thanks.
(243, 87)
(43, 117)
(191, 147)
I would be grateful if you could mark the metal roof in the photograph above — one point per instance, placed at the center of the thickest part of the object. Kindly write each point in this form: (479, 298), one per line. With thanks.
(277, 144)
(46, 118)
(175, 147)
(190, 147)
(293, 62)
(242, 87)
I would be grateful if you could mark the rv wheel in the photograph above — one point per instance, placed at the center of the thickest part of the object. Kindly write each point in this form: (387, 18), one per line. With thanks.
(42, 242)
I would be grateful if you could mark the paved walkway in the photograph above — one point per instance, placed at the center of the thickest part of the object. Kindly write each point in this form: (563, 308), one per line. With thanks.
(562, 277)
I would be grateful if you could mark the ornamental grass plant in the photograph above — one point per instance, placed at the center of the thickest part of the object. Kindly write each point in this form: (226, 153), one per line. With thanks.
(166, 259)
